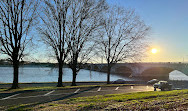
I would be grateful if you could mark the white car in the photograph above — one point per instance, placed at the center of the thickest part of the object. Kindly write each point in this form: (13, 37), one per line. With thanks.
(163, 85)
(153, 81)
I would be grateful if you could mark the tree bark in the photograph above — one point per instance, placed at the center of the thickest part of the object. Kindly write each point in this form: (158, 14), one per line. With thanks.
(108, 74)
(16, 71)
(74, 72)
(60, 84)
(74, 69)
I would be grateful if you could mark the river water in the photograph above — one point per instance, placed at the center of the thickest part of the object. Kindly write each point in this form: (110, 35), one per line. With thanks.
(46, 74)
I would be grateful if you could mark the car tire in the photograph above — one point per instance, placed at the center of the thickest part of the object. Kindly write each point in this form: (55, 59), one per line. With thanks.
(162, 89)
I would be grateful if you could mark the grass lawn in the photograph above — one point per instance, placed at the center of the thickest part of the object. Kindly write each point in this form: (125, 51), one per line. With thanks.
(159, 100)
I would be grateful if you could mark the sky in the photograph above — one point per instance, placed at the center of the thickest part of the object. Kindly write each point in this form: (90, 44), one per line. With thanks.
(168, 20)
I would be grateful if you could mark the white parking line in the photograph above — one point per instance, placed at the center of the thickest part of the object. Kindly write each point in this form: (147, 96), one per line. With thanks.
(9, 97)
(39, 96)
(131, 87)
(99, 89)
(117, 88)
(49, 93)
(77, 91)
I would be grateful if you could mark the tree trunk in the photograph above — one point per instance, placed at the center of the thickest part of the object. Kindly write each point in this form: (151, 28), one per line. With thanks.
(60, 84)
(74, 76)
(16, 71)
(108, 74)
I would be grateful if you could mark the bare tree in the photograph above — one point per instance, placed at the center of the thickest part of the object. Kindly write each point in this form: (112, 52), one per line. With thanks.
(122, 38)
(16, 19)
(84, 21)
(53, 30)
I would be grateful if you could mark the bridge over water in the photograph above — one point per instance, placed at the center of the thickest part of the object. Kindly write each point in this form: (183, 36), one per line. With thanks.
(153, 70)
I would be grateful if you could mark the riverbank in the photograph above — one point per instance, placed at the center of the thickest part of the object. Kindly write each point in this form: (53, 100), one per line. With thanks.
(49, 84)
(25, 87)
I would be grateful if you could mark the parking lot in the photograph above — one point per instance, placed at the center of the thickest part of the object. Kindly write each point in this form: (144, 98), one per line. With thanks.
(61, 94)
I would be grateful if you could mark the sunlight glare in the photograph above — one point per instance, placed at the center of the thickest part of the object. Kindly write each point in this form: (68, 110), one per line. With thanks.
(154, 50)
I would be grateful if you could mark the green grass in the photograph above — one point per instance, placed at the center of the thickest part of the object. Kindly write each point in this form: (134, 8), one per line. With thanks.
(159, 100)
(128, 96)
(165, 100)
(20, 108)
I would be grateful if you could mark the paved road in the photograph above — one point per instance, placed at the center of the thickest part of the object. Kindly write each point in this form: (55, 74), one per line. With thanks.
(55, 95)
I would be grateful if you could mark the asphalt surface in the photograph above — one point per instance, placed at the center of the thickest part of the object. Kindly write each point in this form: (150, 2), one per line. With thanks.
(39, 97)
(50, 84)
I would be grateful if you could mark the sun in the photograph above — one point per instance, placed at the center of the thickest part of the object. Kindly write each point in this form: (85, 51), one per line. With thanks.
(154, 50)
